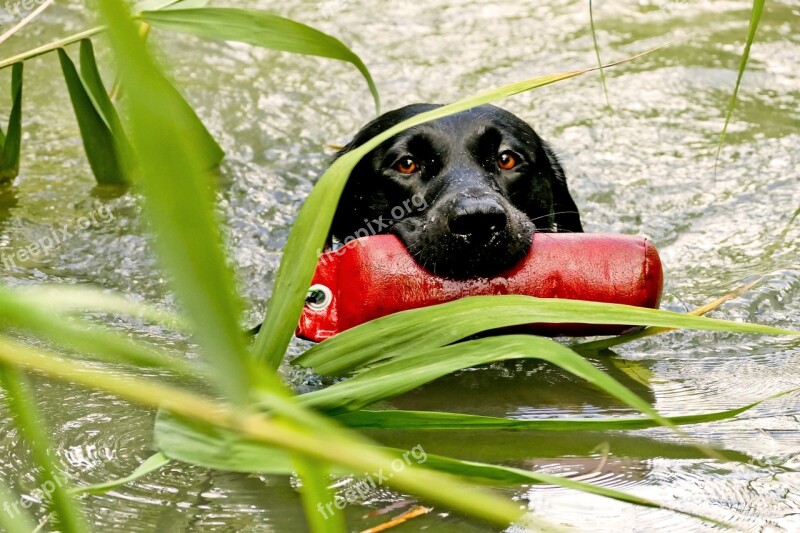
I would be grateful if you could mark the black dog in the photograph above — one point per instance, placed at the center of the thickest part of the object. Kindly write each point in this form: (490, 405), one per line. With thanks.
(464, 193)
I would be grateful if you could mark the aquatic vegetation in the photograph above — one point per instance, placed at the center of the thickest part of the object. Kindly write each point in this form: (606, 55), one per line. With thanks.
(247, 420)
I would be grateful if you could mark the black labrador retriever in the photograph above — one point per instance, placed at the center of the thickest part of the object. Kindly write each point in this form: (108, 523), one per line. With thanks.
(464, 193)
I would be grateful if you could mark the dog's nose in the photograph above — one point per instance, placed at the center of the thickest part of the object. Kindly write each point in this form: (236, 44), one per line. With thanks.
(477, 218)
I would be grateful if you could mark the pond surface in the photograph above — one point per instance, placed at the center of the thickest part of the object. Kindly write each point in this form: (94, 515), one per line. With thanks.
(644, 166)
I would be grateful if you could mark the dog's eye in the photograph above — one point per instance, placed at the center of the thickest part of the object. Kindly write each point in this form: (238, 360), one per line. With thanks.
(406, 166)
(506, 160)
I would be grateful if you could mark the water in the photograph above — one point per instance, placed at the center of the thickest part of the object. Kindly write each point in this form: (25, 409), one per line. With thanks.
(646, 166)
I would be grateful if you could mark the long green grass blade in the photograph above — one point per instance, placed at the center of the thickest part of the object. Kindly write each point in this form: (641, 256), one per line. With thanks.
(780, 239)
(69, 299)
(12, 141)
(14, 519)
(203, 445)
(427, 420)
(38, 318)
(260, 29)
(151, 464)
(316, 493)
(404, 373)
(597, 53)
(98, 139)
(179, 202)
(3, 135)
(422, 329)
(22, 405)
(509, 475)
(604, 345)
(755, 18)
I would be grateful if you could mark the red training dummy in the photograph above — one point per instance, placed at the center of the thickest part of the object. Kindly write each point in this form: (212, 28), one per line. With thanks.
(376, 276)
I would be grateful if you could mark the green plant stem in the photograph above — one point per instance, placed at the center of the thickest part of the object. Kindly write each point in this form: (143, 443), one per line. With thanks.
(597, 53)
(755, 17)
(51, 46)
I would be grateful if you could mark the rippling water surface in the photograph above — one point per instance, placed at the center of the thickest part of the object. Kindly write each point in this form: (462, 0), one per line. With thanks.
(644, 166)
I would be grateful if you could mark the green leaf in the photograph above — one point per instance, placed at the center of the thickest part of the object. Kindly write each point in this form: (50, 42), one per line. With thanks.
(427, 420)
(180, 203)
(509, 475)
(260, 29)
(38, 318)
(47, 48)
(151, 464)
(404, 373)
(90, 75)
(202, 444)
(74, 38)
(67, 299)
(221, 449)
(755, 17)
(199, 443)
(22, 405)
(98, 139)
(440, 325)
(316, 493)
(10, 144)
(602, 346)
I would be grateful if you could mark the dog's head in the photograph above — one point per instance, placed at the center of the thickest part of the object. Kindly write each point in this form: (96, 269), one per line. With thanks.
(464, 193)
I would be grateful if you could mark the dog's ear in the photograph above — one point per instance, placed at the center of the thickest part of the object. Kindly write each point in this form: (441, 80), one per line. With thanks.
(353, 200)
(566, 215)
(363, 196)
(354, 203)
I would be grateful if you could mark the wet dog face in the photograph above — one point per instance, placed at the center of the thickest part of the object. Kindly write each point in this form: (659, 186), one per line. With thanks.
(464, 193)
